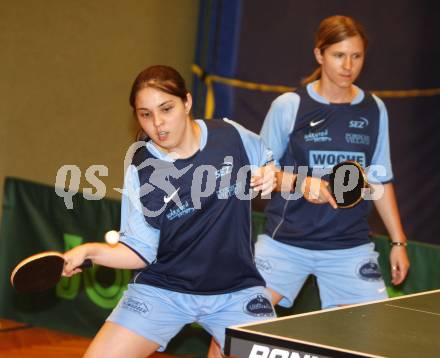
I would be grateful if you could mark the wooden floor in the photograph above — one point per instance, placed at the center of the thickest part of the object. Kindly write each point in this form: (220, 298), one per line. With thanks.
(18, 340)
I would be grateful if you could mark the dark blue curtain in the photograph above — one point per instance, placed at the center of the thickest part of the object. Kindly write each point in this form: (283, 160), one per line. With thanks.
(216, 53)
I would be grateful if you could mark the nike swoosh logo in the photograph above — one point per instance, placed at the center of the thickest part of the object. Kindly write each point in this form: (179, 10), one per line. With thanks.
(227, 164)
(380, 290)
(166, 199)
(315, 123)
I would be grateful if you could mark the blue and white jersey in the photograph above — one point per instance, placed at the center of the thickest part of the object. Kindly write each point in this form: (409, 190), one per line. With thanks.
(193, 220)
(304, 129)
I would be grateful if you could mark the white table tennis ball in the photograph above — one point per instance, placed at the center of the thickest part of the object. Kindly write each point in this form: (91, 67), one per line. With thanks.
(112, 237)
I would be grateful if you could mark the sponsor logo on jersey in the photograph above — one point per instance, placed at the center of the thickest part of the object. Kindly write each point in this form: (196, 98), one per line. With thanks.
(136, 305)
(361, 123)
(263, 265)
(260, 351)
(224, 170)
(180, 211)
(369, 271)
(227, 192)
(166, 199)
(354, 138)
(269, 156)
(314, 123)
(321, 136)
(259, 306)
(324, 159)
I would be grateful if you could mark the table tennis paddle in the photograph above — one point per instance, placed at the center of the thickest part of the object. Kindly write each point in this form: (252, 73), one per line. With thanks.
(40, 272)
(347, 181)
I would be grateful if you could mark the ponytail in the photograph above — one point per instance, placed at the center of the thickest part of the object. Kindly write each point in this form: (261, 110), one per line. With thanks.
(315, 75)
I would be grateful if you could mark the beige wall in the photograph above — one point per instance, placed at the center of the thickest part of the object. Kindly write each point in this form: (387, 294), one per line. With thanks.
(66, 67)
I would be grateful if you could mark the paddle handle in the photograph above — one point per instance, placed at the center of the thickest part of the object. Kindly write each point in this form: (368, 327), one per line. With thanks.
(86, 264)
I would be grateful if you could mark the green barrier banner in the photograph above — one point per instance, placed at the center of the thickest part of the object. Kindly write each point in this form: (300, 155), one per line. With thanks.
(36, 219)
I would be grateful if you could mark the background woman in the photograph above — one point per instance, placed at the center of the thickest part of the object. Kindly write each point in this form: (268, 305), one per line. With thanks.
(329, 120)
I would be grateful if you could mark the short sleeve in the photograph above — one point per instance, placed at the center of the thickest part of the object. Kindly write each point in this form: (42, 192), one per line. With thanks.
(380, 170)
(258, 153)
(136, 233)
(279, 123)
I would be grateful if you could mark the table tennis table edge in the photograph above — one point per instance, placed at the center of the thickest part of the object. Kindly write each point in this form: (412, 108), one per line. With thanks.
(240, 331)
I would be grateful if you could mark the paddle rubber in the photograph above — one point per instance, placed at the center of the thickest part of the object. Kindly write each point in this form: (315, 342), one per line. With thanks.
(339, 183)
(40, 272)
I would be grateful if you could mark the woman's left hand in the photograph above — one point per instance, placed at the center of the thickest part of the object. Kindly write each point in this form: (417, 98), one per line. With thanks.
(263, 179)
(399, 264)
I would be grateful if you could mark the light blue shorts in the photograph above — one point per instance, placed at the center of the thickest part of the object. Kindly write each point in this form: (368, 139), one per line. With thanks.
(345, 276)
(158, 314)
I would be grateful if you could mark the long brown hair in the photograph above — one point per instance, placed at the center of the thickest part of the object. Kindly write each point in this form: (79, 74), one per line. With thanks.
(332, 30)
(163, 78)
